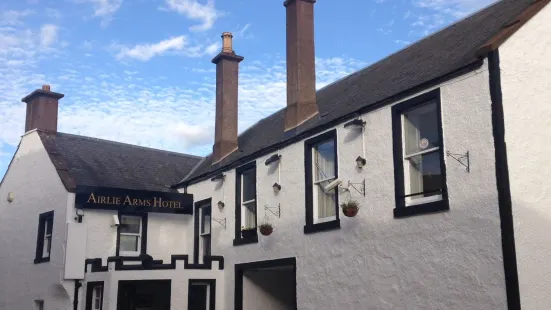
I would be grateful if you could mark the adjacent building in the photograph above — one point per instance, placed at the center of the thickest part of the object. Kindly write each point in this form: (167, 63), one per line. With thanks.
(418, 182)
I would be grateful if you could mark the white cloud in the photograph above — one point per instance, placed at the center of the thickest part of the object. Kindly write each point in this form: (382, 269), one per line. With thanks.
(145, 52)
(214, 48)
(192, 9)
(455, 8)
(13, 17)
(48, 35)
(104, 9)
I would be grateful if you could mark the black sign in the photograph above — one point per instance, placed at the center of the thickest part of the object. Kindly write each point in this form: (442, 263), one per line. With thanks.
(128, 200)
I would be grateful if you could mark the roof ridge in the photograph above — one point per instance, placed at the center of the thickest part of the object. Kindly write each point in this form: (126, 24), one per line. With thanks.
(127, 144)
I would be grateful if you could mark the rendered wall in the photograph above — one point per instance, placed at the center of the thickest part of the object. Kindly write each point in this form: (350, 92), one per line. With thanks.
(37, 189)
(526, 88)
(451, 260)
(166, 234)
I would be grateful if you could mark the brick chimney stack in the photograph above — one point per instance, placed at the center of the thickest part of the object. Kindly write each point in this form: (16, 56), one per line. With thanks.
(42, 109)
(301, 66)
(227, 71)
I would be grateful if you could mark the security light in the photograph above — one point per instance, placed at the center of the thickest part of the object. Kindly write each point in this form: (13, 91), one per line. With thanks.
(218, 177)
(272, 159)
(357, 123)
(276, 187)
(360, 162)
(116, 221)
(10, 197)
(221, 204)
(80, 212)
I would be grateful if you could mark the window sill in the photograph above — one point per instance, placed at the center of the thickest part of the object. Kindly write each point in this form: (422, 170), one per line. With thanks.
(242, 241)
(41, 260)
(420, 209)
(314, 228)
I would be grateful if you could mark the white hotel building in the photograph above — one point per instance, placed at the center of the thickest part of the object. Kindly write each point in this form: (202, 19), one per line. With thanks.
(441, 145)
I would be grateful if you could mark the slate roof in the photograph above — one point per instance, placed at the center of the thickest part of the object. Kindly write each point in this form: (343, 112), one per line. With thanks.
(434, 57)
(89, 161)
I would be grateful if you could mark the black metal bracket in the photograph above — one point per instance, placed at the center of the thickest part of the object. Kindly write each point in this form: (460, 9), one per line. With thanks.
(222, 222)
(460, 158)
(361, 186)
(276, 213)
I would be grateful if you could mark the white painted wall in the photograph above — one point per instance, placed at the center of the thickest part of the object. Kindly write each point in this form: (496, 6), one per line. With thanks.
(37, 189)
(451, 260)
(179, 284)
(526, 87)
(166, 234)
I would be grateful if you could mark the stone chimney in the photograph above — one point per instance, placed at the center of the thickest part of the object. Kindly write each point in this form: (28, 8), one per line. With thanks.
(227, 71)
(42, 105)
(301, 66)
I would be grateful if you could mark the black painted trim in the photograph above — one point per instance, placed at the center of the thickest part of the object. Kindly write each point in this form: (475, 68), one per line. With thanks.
(238, 172)
(90, 293)
(148, 263)
(212, 285)
(240, 271)
(78, 284)
(291, 136)
(42, 219)
(401, 210)
(310, 227)
(196, 234)
(143, 245)
(503, 185)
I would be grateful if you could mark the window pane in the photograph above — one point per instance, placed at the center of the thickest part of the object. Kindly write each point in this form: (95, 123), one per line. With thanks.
(97, 297)
(131, 225)
(249, 215)
(324, 160)
(326, 203)
(205, 220)
(249, 180)
(421, 129)
(46, 247)
(129, 243)
(425, 174)
(206, 245)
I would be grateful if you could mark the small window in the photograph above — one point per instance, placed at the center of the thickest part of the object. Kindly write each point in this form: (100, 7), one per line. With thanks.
(248, 198)
(419, 163)
(246, 205)
(205, 223)
(97, 297)
(94, 296)
(321, 169)
(44, 239)
(130, 235)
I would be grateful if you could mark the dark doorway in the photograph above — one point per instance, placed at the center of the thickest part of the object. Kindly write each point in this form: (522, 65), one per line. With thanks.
(144, 295)
(202, 294)
(266, 284)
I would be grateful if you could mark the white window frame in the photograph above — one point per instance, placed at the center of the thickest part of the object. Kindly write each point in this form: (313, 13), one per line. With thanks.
(47, 245)
(201, 233)
(407, 157)
(97, 297)
(244, 204)
(139, 235)
(317, 185)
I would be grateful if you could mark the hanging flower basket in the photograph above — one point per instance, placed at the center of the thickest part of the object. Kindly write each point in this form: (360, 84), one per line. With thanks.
(266, 229)
(350, 208)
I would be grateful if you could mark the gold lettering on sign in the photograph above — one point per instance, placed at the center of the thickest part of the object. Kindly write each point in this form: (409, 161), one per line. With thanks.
(156, 202)
(91, 198)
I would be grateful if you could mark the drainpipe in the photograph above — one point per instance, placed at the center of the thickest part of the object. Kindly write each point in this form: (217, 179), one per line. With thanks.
(75, 297)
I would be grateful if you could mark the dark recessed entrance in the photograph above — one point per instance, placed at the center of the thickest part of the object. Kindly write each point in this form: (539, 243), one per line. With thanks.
(144, 295)
(266, 285)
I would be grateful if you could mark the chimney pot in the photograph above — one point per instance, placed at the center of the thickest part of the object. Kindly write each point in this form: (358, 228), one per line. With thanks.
(227, 42)
(46, 87)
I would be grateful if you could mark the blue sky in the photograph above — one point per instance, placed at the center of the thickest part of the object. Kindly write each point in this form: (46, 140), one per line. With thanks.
(139, 71)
